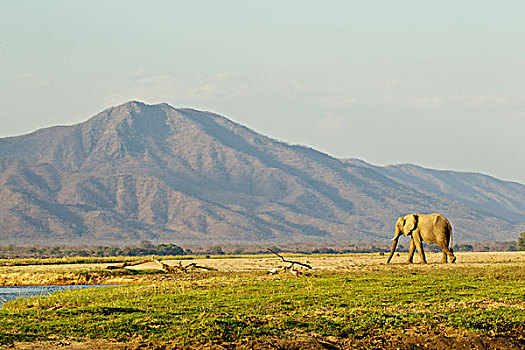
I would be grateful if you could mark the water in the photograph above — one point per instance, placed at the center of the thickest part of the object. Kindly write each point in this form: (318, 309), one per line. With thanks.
(11, 293)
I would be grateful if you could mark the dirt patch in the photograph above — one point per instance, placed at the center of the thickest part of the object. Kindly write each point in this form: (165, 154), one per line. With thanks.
(91, 344)
(404, 341)
(407, 340)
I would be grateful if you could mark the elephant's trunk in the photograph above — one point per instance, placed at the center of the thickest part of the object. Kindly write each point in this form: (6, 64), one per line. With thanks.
(394, 245)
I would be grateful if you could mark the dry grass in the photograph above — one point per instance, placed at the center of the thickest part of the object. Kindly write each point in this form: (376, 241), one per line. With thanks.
(95, 273)
(332, 262)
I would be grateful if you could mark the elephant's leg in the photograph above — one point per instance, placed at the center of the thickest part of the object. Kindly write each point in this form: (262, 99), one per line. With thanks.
(446, 252)
(411, 251)
(444, 258)
(420, 250)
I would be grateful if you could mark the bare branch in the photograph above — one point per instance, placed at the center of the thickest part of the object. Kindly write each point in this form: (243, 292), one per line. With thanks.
(194, 265)
(165, 267)
(132, 263)
(180, 267)
(290, 261)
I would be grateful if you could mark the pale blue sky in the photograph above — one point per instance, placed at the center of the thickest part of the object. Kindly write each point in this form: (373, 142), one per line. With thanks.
(436, 83)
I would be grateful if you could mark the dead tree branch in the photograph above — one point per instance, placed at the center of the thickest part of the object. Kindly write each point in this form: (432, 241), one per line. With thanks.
(194, 265)
(132, 263)
(181, 268)
(165, 267)
(290, 261)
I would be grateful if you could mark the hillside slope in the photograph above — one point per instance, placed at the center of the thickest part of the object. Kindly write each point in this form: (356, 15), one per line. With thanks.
(137, 171)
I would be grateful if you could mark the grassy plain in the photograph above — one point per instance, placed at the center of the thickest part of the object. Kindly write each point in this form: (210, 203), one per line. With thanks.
(345, 301)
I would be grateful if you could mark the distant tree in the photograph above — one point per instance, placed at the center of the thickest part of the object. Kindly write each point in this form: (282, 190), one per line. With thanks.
(463, 248)
(82, 252)
(32, 250)
(217, 250)
(324, 251)
(114, 251)
(276, 249)
(169, 249)
(521, 242)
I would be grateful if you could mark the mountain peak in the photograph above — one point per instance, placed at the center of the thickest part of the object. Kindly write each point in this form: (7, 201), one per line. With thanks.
(131, 105)
(135, 108)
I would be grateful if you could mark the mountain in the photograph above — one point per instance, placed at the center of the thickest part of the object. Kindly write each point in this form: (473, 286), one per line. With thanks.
(502, 199)
(152, 172)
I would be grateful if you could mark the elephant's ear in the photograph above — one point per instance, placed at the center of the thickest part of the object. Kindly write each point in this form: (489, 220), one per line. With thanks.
(400, 223)
(410, 224)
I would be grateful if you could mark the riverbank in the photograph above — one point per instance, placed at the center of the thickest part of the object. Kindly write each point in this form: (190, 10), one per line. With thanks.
(61, 279)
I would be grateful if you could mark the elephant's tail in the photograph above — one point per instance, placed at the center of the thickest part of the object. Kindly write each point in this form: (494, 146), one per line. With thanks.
(451, 246)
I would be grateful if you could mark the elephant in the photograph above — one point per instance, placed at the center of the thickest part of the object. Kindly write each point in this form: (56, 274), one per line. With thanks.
(431, 228)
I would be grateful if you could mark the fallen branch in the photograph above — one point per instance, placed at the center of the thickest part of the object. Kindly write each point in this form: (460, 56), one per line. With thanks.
(165, 267)
(274, 270)
(194, 265)
(171, 269)
(132, 263)
(181, 268)
(290, 261)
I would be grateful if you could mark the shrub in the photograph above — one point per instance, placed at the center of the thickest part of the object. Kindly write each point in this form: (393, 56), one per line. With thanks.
(521, 242)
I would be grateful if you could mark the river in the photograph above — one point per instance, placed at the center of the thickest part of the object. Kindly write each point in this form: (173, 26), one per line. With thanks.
(11, 293)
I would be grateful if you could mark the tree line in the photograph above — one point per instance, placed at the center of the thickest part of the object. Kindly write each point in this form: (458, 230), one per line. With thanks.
(148, 248)
(141, 249)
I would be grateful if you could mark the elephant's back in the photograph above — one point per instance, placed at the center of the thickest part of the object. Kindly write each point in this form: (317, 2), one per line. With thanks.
(441, 221)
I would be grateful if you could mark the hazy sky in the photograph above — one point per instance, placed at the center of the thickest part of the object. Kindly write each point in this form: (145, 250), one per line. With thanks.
(437, 83)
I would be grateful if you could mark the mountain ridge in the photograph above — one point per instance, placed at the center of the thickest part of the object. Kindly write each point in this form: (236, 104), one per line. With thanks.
(138, 171)
(460, 185)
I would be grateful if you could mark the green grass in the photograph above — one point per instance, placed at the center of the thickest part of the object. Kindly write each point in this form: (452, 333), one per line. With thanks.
(224, 307)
